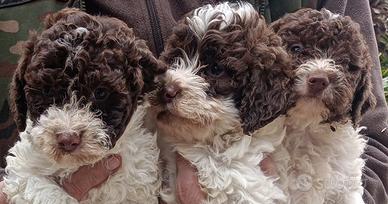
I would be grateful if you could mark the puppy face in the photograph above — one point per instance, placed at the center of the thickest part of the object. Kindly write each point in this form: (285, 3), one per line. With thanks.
(240, 59)
(185, 110)
(79, 82)
(332, 59)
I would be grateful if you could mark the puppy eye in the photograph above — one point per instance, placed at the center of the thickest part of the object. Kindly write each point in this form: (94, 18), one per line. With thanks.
(296, 48)
(215, 70)
(101, 93)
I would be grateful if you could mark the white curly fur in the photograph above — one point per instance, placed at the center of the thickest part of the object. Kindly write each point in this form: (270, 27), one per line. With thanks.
(32, 174)
(318, 163)
(203, 17)
(207, 132)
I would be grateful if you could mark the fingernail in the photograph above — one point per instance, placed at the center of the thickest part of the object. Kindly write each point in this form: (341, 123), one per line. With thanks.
(113, 163)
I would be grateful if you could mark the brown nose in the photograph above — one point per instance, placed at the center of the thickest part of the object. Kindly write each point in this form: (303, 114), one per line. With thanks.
(317, 84)
(170, 92)
(68, 141)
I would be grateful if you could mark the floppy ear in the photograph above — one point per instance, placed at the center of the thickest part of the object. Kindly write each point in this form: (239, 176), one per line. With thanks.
(51, 19)
(363, 99)
(264, 98)
(267, 91)
(150, 66)
(17, 95)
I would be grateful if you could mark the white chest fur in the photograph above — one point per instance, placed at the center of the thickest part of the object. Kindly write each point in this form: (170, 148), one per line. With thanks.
(317, 162)
(30, 179)
(230, 174)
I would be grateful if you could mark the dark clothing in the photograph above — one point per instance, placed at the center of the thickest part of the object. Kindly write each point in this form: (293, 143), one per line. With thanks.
(153, 21)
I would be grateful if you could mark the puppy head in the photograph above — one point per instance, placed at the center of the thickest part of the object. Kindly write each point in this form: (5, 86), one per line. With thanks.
(184, 107)
(241, 59)
(332, 59)
(71, 135)
(96, 60)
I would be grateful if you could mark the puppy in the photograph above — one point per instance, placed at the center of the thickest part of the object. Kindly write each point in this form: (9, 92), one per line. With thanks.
(319, 157)
(228, 76)
(74, 97)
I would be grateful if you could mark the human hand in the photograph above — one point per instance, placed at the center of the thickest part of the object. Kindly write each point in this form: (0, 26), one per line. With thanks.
(188, 188)
(86, 178)
(3, 198)
(89, 177)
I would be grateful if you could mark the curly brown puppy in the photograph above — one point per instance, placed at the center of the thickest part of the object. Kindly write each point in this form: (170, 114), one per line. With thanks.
(319, 158)
(73, 96)
(241, 59)
(228, 76)
(308, 35)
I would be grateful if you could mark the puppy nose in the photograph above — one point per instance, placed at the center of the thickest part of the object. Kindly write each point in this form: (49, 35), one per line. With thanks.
(317, 84)
(68, 141)
(170, 92)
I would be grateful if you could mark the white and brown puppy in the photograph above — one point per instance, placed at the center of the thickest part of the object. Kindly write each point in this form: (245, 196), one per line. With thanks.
(74, 97)
(319, 159)
(227, 69)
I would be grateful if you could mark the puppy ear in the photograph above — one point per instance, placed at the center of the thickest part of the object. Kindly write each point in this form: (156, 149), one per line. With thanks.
(17, 95)
(264, 98)
(267, 91)
(150, 66)
(51, 19)
(364, 98)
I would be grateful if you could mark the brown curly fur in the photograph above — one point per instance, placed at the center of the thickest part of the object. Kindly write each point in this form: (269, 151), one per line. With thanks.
(339, 39)
(257, 73)
(110, 62)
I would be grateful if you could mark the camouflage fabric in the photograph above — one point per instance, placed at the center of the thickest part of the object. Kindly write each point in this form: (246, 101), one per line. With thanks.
(15, 22)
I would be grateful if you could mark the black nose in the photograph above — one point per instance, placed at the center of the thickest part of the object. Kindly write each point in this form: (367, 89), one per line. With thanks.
(68, 141)
(317, 84)
(170, 92)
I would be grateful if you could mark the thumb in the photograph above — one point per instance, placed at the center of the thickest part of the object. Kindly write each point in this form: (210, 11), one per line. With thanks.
(88, 177)
(187, 185)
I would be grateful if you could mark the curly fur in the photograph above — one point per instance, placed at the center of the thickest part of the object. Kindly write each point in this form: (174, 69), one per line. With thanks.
(324, 35)
(206, 130)
(82, 53)
(319, 158)
(256, 72)
(232, 76)
(83, 74)
(33, 174)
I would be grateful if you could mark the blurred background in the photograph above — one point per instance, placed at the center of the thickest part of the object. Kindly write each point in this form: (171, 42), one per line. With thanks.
(380, 19)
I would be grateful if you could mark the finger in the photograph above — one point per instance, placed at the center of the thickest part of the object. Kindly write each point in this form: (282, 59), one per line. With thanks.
(187, 185)
(88, 177)
(3, 197)
(268, 166)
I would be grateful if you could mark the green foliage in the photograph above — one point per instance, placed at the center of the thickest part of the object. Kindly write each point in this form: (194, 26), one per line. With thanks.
(384, 62)
(379, 10)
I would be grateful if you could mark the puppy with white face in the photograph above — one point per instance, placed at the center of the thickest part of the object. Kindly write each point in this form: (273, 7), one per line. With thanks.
(226, 66)
(74, 96)
(206, 130)
(319, 158)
